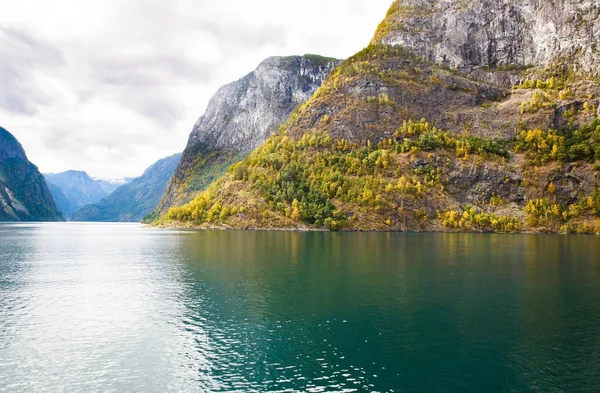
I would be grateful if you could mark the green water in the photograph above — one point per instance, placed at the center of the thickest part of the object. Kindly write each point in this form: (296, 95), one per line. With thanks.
(119, 308)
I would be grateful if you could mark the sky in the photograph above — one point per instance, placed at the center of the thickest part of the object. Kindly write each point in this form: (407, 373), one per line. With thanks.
(112, 86)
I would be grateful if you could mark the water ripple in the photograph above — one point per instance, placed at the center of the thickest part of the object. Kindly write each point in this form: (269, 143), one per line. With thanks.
(118, 308)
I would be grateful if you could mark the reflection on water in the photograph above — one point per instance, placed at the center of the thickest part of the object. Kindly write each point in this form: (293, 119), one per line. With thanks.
(118, 308)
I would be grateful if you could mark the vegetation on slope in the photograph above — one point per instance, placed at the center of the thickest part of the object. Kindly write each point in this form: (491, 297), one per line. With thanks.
(196, 171)
(570, 145)
(353, 158)
(319, 182)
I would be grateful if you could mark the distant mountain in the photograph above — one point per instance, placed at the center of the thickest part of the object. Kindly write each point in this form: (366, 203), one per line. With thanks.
(60, 200)
(133, 201)
(24, 195)
(79, 189)
(110, 185)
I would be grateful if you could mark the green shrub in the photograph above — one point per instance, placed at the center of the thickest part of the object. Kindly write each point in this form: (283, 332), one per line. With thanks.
(569, 145)
(424, 136)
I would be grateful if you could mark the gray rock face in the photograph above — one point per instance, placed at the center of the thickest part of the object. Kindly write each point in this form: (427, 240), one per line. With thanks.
(240, 117)
(496, 32)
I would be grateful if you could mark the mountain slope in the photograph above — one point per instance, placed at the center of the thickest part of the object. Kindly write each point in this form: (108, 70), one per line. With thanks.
(133, 201)
(435, 127)
(60, 200)
(239, 117)
(24, 195)
(79, 189)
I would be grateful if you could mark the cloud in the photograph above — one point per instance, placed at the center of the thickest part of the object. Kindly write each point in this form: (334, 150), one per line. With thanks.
(111, 86)
(21, 55)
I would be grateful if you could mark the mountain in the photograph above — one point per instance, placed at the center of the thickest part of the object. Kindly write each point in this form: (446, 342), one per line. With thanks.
(79, 189)
(133, 201)
(60, 200)
(459, 116)
(240, 117)
(24, 195)
(110, 185)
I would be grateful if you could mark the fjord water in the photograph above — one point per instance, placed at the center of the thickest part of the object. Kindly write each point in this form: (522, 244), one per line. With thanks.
(119, 308)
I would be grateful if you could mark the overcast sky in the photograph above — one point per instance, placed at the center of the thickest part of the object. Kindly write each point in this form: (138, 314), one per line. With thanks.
(111, 86)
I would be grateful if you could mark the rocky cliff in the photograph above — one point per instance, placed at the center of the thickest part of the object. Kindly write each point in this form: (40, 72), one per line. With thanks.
(460, 116)
(240, 117)
(495, 33)
(133, 201)
(24, 195)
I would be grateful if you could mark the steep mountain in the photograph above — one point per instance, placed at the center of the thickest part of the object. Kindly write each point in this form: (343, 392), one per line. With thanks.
(24, 195)
(240, 117)
(133, 201)
(79, 189)
(459, 116)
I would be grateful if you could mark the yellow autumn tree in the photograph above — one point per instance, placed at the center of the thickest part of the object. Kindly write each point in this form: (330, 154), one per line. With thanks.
(295, 210)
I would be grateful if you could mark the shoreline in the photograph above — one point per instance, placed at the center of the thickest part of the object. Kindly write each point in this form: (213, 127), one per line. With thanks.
(175, 226)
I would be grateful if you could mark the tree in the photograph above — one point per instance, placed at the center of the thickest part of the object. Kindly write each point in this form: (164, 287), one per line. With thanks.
(295, 210)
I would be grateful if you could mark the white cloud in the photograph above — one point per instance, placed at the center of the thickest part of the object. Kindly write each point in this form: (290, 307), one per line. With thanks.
(111, 86)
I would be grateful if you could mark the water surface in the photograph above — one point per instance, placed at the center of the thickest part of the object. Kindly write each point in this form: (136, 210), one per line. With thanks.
(119, 308)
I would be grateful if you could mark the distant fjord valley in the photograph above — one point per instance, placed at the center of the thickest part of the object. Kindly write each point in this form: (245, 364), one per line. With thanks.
(81, 198)
(494, 130)
(27, 195)
(74, 189)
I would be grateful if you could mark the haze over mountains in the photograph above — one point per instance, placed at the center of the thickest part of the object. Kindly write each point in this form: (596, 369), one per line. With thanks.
(83, 198)
(135, 200)
(75, 189)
